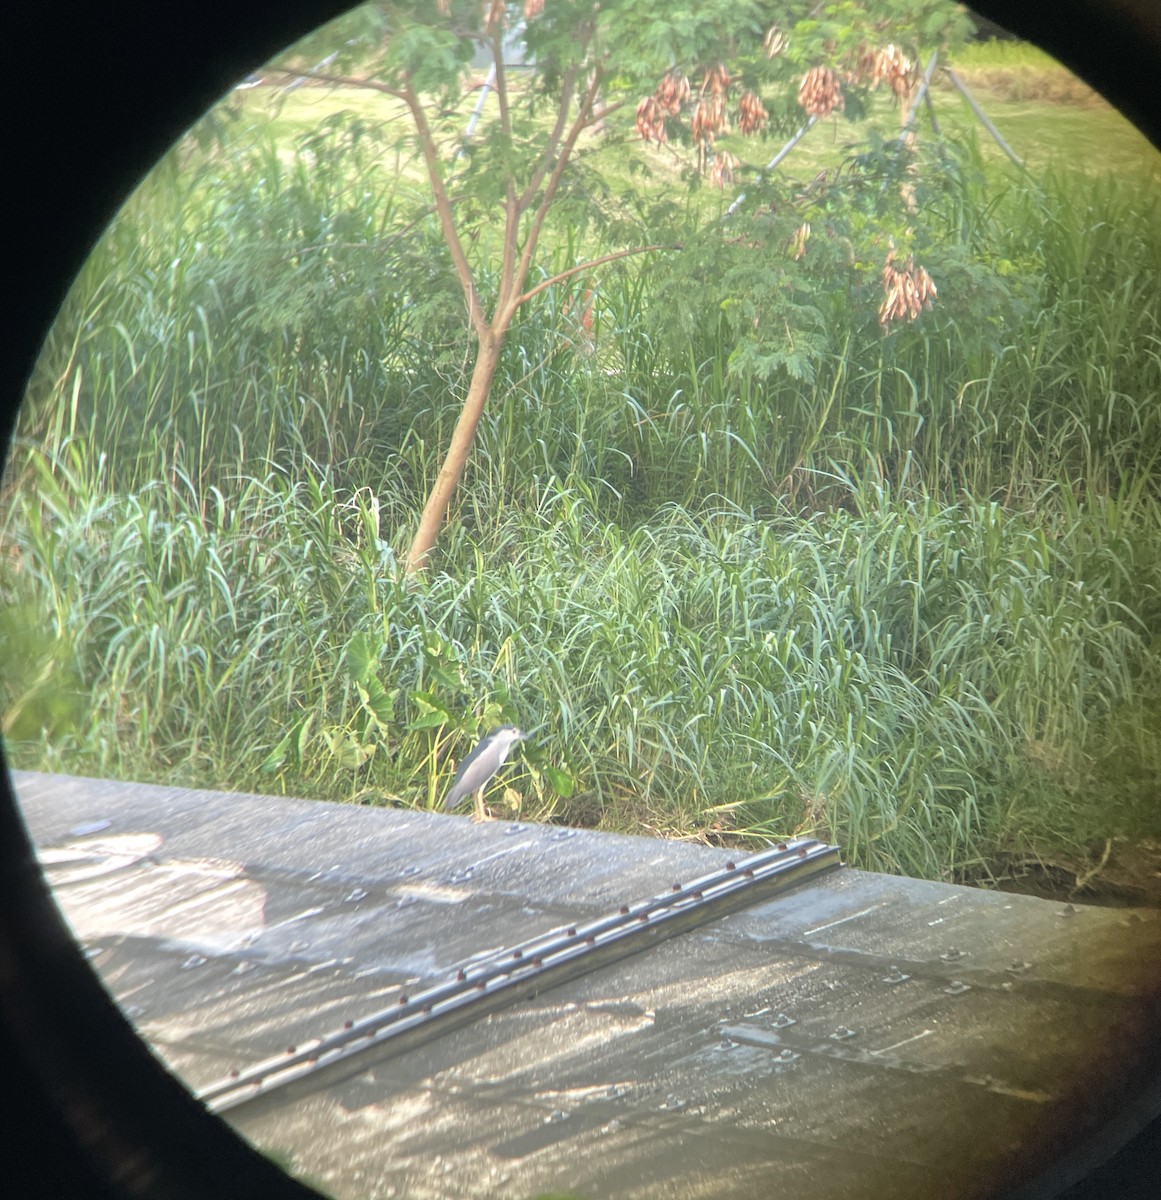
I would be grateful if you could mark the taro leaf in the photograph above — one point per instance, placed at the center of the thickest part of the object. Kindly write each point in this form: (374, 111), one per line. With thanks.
(378, 703)
(562, 782)
(360, 659)
(432, 714)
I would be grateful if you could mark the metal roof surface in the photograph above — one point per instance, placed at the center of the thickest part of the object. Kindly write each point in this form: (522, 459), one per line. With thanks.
(860, 1035)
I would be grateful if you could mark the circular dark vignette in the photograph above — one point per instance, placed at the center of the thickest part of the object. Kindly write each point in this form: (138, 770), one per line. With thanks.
(97, 93)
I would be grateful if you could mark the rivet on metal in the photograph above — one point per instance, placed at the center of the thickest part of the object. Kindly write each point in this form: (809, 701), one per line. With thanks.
(731, 866)
(624, 910)
(841, 1034)
(402, 998)
(677, 887)
(348, 1024)
(957, 987)
(517, 953)
(697, 895)
(748, 873)
(461, 975)
(571, 931)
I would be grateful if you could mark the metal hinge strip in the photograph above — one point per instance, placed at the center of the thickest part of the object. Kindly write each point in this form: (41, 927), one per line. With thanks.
(523, 970)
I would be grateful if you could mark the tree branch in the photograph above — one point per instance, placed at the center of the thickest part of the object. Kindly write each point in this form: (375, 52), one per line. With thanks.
(511, 205)
(585, 266)
(568, 82)
(537, 223)
(443, 209)
(346, 80)
(609, 108)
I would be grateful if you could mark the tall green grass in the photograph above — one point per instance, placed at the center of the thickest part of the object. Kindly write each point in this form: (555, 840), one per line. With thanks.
(911, 601)
(893, 674)
(297, 307)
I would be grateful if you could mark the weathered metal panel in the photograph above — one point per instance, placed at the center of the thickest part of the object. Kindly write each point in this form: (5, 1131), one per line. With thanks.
(523, 970)
(861, 1035)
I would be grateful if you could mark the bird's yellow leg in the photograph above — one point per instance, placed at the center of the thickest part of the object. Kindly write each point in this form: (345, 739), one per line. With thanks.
(481, 813)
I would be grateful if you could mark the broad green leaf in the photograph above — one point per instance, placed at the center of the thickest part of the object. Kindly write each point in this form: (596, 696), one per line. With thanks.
(360, 659)
(561, 781)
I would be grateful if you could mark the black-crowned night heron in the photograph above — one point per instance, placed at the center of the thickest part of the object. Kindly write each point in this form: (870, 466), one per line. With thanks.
(485, 760)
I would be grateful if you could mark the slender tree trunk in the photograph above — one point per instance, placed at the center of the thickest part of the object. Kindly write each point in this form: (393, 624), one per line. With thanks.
(515, 263)
(487, 356)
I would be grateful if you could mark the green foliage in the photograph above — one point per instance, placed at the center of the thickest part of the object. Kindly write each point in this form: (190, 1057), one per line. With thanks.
(625, 45)
(745, 562)
(577, 59)
(887, 674)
